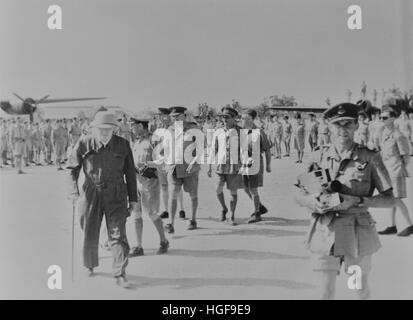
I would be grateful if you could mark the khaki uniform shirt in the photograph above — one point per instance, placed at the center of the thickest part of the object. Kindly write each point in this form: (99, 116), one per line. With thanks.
(394, 145)
(349, 232)
(177, 154)
(227, 156)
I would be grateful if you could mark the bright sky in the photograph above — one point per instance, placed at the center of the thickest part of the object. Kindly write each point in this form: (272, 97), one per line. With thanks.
(152, 53)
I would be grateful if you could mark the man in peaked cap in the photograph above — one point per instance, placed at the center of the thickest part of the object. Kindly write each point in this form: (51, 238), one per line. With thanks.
(227, 168)
(165, 122)
(148, 185)
(345, 233)
(107, 162)
(181, 174)
(162, 174)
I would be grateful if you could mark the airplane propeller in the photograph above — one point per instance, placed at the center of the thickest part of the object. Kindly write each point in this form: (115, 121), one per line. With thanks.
(42, 99)
(33, 103)
(18, 96)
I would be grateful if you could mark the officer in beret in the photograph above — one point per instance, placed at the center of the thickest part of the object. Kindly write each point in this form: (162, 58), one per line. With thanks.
(345, 233)
(395, 147)
(225, 144)
(254, 179)
(107, 162)
(148, 185)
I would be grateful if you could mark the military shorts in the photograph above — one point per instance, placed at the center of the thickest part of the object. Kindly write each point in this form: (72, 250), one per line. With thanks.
(189, 183)
(299, 143)
(233, 181)
(60, 151)
(276, 138)
(323, 139)
(163, 177)
(332, 263)
(19, 148)
(148, 197)
(399, 187)
(253, 181)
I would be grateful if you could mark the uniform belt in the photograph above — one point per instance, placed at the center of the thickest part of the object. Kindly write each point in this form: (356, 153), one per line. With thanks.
(353, 210)
(104, 184)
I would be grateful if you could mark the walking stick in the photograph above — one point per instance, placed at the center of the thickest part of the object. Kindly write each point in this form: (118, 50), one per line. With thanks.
(73, 240)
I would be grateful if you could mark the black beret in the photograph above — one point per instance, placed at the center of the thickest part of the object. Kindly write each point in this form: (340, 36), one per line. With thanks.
(342, 111)
(177, 110)
(229, 111)
(164, 110)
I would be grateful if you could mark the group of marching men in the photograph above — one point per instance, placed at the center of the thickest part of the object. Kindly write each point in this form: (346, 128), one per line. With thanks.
(45, 142)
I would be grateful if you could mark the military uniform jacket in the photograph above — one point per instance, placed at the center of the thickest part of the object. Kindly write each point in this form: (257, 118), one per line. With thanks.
(350, 232)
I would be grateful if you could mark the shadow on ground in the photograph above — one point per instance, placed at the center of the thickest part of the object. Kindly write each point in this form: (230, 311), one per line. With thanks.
(235, 231)
(191, 283)
(233, 254)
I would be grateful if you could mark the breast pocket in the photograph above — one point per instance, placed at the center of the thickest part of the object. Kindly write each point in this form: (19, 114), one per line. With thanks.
(358, 179)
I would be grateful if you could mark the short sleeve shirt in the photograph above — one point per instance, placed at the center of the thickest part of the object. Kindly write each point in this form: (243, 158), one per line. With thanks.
(394, 145)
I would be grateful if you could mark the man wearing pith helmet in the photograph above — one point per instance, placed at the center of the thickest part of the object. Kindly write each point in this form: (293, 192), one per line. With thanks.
(344, 233)
(109, 185)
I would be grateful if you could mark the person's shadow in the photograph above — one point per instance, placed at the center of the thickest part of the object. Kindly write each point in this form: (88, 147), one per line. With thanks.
(139, 282)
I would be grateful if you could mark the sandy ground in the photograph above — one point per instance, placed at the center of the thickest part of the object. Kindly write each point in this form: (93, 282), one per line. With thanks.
(261, 261)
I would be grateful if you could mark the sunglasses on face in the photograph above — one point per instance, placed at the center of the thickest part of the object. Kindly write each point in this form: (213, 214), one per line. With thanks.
(384, 118)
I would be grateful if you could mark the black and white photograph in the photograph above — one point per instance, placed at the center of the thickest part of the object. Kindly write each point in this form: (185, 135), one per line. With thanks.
(225, 150)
